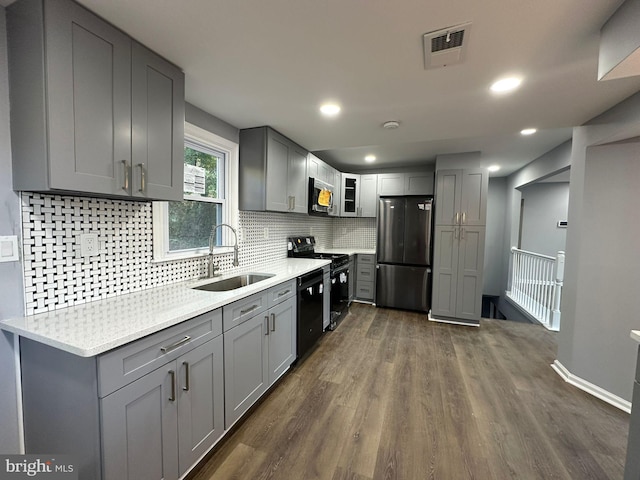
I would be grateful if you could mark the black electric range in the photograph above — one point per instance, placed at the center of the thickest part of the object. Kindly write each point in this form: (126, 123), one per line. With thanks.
(304, 247)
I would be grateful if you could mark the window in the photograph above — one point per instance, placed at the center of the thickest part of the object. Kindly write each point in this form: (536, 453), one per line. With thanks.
(182, 229)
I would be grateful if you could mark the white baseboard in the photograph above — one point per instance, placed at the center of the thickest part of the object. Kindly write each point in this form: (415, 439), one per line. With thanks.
(452, 322)
(590, 388)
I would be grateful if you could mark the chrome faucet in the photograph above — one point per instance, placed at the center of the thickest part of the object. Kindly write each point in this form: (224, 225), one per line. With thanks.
(212, 240)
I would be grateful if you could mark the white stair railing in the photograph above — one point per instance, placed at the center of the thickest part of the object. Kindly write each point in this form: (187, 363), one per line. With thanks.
(536, 285)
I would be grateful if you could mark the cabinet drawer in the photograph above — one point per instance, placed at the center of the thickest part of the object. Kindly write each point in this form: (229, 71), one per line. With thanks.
(130, 362)
(365, 272)
(281, 292)
(366, 259)
(237, 312)
(364, 290)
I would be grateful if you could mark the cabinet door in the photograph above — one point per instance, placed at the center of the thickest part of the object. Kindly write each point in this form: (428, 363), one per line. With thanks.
(158, 126)
(445, 271)
(298, 186)
(139, 428)
(418, 184)
(336, 181)
(350, 195)
(277, 191)
(391, 183)
(470, 265)
(88, 66)
(473, 202)
(200, 401)
(282, 338)
(246, 372)
(448, 191)
(368, 193)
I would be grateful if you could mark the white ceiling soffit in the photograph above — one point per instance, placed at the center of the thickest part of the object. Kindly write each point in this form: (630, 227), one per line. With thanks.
(620, 43)
(445, 47)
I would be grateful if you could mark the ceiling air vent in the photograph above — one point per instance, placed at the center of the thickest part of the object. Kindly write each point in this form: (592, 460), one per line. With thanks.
(445, 47)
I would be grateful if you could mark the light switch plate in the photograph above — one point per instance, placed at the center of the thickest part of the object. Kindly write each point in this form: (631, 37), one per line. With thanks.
(9, 249)
(89, 244)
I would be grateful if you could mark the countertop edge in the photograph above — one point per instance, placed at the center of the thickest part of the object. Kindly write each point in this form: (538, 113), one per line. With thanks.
(635, 335)
(12, 325)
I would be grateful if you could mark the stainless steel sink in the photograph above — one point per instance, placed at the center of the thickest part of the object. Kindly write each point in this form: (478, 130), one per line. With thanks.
(232, 283)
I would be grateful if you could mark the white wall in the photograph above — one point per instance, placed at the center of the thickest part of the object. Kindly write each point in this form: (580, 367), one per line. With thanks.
(544, 205)
(11, 296)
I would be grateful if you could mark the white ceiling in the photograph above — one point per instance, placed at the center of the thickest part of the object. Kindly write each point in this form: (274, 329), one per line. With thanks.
(256, 62)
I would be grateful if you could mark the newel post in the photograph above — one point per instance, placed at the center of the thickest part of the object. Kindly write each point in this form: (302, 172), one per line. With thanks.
(557, 291)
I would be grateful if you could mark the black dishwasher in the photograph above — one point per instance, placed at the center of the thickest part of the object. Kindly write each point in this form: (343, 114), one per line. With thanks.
(310, 305)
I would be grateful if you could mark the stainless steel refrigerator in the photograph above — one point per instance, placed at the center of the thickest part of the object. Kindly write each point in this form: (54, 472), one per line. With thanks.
(403, 278)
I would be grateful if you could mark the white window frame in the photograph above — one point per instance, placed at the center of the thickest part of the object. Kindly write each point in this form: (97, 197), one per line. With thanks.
(208, 139)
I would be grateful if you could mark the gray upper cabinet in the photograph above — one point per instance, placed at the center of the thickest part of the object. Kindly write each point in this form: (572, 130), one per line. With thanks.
(391, 184)
(316, 168)
(415, 183)
(273, 172)
(86, 105)
(158, 126)
(358, 195)
(368, 195)
(461, 197)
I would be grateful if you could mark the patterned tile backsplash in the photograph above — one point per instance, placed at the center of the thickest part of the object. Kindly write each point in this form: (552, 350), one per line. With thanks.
(57, 276)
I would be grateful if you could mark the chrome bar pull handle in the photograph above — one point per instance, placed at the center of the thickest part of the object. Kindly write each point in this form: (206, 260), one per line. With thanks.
(464, 217)
(125, 171)
(273, 322)
(187, 377)
(457, 218)
(173, 346)
(281, 294)
(172, 374)
(461, 233)
(247, 310)
(455, 233)
(266, 325)
(142, 178)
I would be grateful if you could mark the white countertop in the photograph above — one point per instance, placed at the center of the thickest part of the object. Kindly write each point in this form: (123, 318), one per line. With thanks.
(348, 251)
(93, 328)
(635, 335)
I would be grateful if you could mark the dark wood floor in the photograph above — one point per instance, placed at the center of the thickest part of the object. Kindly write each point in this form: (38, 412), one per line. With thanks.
(389, 395)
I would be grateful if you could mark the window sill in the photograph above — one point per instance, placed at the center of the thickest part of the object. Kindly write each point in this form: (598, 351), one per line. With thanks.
(174, 257)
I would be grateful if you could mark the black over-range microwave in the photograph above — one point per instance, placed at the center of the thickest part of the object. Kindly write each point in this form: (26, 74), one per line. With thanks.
(320, 197)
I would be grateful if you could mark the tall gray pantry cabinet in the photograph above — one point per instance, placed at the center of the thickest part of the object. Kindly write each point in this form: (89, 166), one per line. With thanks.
(93, 111)
(459, 238)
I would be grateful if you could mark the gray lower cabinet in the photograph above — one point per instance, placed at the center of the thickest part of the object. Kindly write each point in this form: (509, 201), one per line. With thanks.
(147, 410)
(92, 110)
(246, 368)
(457, 272)
(256, 353)
(365, 275)
(353, 277)
(170, 417)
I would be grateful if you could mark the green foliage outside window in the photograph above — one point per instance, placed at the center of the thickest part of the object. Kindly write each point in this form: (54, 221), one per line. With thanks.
(191, 221)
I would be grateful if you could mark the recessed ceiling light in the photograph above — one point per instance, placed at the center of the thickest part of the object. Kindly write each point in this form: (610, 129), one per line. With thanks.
(330, 109)
(528, 131)
(391, 124)
(493, 168)
(370, 158)
(505, 85)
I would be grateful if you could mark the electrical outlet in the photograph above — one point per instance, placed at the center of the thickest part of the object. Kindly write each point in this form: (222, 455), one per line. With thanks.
(266, 233)
(89, 244)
